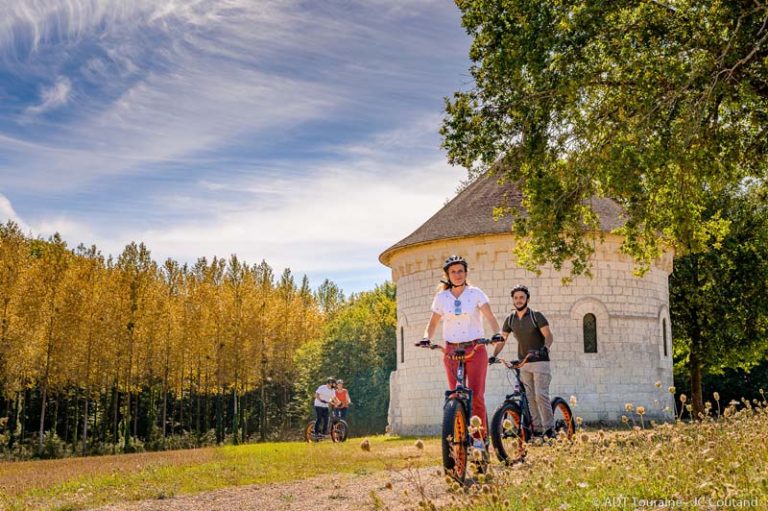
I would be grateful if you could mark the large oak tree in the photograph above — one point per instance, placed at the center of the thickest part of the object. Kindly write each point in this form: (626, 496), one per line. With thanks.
(660, 105)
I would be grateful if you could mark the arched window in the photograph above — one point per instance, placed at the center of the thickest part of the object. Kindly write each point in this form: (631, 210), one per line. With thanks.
(590, 333)
(664, 335)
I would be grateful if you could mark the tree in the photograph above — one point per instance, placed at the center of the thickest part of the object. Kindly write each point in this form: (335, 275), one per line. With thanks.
(359, 346)
(719, 311)
(137, 271)
(330, 297)
(654, 104)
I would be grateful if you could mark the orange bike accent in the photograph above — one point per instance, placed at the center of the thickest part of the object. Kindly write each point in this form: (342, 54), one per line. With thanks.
(457, 444)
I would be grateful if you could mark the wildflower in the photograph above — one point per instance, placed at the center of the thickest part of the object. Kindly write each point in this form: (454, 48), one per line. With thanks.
(641, 410)
(624, 419)
(672, 390)
(683, 398)
(585, 438)
(716, 395)
(629, 407)
(658, 384)
(507, 425)
(689, 407)
(573, 401)
(579, 421)
(475, 421)
(419, 444)
(365, 445)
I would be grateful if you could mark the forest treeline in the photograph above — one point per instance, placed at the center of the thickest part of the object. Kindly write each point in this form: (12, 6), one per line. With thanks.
(117, 354)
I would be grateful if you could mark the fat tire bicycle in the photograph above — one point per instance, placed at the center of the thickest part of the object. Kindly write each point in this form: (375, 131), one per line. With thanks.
(456, 438)
(339, 429)
(512, 425)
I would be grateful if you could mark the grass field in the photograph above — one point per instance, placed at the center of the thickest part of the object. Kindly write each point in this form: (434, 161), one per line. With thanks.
(719, 463)
(79, 483)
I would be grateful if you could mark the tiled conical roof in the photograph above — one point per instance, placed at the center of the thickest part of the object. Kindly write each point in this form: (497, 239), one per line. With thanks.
(470, 213)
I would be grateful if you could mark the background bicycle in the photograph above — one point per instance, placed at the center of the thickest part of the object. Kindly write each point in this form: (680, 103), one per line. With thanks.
(338, 430)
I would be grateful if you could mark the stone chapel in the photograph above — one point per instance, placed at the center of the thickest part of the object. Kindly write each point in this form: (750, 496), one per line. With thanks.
(612, 336)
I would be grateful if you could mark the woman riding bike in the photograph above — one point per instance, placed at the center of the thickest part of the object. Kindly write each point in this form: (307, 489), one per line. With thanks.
(461, 307)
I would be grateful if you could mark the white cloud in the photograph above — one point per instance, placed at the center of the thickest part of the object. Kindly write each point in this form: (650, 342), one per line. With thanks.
(162, 82)
(52, 97)
(7, 212)
(175, 80)
(337, 219)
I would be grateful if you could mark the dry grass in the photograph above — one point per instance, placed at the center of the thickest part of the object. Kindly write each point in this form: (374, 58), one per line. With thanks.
(718, 463)
(80, 483)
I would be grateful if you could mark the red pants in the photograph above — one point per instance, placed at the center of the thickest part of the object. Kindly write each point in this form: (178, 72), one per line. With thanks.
(475, 370)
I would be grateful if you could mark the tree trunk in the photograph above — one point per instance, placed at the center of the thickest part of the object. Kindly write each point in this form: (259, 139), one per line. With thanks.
(136, 415)
(42, 419)
(697, 391)
(115, 404)
(263, 413)
(235, 418)
(85, 423)
(165, 411)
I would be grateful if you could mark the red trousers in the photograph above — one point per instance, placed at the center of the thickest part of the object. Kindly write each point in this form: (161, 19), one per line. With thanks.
(475, 370)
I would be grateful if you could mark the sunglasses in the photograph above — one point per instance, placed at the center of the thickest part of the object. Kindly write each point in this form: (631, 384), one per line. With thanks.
(457, 307)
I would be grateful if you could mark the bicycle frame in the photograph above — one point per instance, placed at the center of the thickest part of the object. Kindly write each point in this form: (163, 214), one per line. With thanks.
(520, 397)
(461, 391)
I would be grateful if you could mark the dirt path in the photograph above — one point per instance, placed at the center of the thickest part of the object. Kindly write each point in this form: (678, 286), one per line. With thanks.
(394, 490)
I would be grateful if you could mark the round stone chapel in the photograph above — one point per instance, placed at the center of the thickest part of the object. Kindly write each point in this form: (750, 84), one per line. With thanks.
(612, 337)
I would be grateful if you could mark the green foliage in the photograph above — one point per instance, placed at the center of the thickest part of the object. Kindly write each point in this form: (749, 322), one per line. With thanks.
(357, 345)
(718, 307)
(656, 105)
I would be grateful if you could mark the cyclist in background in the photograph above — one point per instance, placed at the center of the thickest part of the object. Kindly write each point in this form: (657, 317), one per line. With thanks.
(461, 308)
(342, 396)
(325, 396)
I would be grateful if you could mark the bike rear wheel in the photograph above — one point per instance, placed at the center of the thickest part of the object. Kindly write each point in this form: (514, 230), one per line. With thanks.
(507, 435)
(455, 439)
(564, 420)
(339, 431)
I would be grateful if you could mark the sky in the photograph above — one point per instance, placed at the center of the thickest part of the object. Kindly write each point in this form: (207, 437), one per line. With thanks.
(303, 133)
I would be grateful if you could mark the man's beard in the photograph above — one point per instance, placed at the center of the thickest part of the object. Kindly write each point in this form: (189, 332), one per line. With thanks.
(522, 308)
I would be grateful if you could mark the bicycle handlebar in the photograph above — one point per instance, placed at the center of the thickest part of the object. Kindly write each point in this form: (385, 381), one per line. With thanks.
(480, 341)
(514, 364)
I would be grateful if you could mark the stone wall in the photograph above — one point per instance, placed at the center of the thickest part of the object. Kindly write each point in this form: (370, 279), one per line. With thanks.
(630, 312)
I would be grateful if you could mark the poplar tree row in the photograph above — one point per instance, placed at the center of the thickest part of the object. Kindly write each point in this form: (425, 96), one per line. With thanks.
(108, 354)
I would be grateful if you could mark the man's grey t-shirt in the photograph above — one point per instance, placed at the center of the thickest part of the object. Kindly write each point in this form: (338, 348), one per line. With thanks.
(528, 336)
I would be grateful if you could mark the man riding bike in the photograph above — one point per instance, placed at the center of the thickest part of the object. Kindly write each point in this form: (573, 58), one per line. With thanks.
(325, 397)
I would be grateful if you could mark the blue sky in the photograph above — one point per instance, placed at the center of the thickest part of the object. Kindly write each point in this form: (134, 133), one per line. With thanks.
(303, 133)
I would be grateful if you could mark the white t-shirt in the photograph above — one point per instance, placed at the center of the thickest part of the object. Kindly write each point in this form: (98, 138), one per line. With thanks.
(326, 394)
(462, 320)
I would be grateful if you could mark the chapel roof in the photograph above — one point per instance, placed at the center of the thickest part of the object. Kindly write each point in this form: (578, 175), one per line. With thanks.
(470, 213)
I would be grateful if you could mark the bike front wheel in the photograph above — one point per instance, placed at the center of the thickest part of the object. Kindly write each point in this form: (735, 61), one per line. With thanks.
(455, 439)
(339, 431)
(564, 421)
(507, 435)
